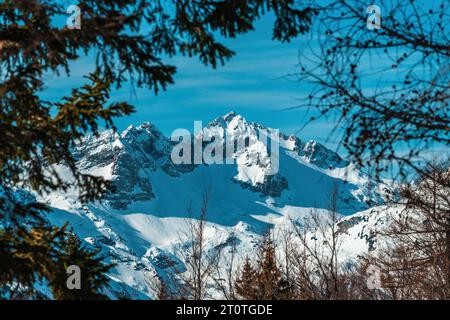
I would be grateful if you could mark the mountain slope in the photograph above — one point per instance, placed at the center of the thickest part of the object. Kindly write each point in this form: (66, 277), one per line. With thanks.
(140, 225)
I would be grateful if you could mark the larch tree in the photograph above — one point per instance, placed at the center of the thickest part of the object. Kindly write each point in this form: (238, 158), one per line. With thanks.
(246, 286)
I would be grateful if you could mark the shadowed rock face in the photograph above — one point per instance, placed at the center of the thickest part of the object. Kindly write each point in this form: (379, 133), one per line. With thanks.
(273, 186)
(132, 158)
(318, 155)
(131, 183)
(323, 157)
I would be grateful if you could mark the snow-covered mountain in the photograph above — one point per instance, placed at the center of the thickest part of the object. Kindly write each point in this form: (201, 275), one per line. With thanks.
(139, 226)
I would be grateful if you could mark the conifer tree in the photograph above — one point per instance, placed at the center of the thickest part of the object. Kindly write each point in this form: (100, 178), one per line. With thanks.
(265, 282)
(163, 291)
(269, 276)
(246, 286)
(93, 272)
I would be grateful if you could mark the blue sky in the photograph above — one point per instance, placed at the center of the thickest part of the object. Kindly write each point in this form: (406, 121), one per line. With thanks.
(253, 84)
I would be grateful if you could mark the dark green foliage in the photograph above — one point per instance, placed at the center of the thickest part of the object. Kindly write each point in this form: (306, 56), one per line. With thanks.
(31, 251)
(93, 272)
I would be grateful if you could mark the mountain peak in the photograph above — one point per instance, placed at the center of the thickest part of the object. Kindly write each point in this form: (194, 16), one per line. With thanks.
(141, 132)
(230, 116)
(321, 156)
